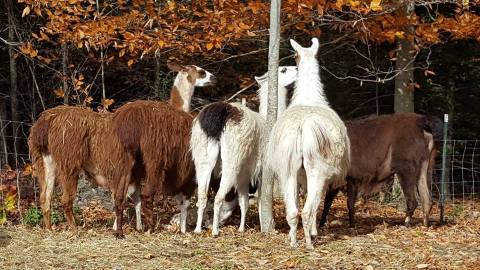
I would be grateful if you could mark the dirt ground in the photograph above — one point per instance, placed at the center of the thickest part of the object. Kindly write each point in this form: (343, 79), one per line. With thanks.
(378, 242)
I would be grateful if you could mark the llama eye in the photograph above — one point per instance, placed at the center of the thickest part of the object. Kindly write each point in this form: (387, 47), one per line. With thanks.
(284, 70)
(202, 73)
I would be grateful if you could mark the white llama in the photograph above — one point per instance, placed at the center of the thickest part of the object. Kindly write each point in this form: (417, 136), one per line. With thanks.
(309, 135)
(230, 135)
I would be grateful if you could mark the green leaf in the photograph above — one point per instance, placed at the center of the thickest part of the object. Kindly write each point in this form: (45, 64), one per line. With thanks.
(10, 202)
(3, 217)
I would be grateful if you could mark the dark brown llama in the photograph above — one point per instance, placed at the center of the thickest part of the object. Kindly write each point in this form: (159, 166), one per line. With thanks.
(158, 135)
(381, 146)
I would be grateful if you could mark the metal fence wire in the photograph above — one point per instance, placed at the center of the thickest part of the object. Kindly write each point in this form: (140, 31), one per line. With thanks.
(456, 175)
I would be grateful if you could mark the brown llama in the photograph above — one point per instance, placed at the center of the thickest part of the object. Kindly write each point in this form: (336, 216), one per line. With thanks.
(67, 140)
(381, 146)
(158, 135)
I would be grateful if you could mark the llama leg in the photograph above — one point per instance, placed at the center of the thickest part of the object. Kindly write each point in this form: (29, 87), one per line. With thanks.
(138, 208)
(352, 194)
(424, 190)
(47, 184)
(183, 203)
(290, 193)
(329, 197)
(407, 182)
(243, 200)
(69, 189)
(315, 188)
(155, 178)
(204, 166)
(226, 183)
(120, 192)
(227, 209)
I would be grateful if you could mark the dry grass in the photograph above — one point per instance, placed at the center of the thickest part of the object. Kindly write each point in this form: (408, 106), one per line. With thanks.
(378, 242)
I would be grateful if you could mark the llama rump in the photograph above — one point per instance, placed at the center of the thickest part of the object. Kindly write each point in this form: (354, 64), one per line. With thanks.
(67, 140)
(230, 136)
(157, 134)
(381, 146)
(308, 136)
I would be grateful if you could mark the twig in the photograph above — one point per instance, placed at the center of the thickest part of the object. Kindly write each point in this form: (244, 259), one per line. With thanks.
(240, 91)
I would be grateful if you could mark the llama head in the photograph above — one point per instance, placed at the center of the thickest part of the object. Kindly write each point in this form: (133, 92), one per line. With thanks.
(286, 76)
(197, 76)
(302, 53)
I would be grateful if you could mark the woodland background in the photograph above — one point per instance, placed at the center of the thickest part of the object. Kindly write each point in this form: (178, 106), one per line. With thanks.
(104, 53)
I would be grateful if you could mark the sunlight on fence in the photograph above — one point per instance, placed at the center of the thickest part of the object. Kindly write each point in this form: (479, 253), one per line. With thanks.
(462, 172)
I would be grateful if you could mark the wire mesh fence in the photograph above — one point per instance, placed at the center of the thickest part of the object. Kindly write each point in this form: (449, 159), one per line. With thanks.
(462, 171)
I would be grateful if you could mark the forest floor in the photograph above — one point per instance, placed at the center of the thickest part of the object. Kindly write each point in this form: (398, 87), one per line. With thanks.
(379, 241)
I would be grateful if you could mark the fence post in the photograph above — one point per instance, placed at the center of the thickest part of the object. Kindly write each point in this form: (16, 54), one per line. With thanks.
(444, 165)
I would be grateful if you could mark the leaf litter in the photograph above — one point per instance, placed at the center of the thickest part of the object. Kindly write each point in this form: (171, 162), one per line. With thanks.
(380, 241)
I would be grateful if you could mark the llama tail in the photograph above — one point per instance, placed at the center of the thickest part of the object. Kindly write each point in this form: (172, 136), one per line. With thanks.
(283, 151)
(38, 138)
(434, 126)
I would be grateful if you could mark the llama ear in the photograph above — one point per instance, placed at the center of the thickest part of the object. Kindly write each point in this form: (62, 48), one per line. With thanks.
(295, 45)
(315, 44)
(176, 67)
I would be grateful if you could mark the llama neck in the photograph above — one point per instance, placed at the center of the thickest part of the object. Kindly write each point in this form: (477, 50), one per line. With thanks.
(263, 96)
(309, 88)
(182, 92)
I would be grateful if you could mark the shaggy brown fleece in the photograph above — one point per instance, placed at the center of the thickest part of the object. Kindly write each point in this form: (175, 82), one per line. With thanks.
(160, 135)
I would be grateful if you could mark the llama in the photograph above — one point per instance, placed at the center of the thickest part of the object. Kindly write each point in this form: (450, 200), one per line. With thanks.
(309, 135)
(158, 135)
(67, 140)
(381, 146)
(230, 136)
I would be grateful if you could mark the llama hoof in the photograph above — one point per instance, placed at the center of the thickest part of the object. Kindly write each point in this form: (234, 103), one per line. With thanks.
(197, 230)
(215, 233)
(294, 244)
(309, 246)
(407, 221)
(241, 230)
(140, 228)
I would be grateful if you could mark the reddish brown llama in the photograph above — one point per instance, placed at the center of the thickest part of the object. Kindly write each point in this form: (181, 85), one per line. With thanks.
(67, 140)
(402, 144)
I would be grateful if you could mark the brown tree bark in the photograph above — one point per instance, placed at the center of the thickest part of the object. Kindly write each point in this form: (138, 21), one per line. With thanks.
(13, 75)
(403, 99)
(66, 90)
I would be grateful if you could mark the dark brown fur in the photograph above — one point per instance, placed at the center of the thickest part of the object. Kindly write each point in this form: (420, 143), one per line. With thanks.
(387, 145)
(215, 116)
(161, 138)
(80, 139)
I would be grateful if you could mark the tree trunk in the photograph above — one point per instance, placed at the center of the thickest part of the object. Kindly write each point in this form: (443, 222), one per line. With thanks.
(266, 188)
(13, 77)
(403, 98)
(3, 117)
(64, 74)
(451, 112)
